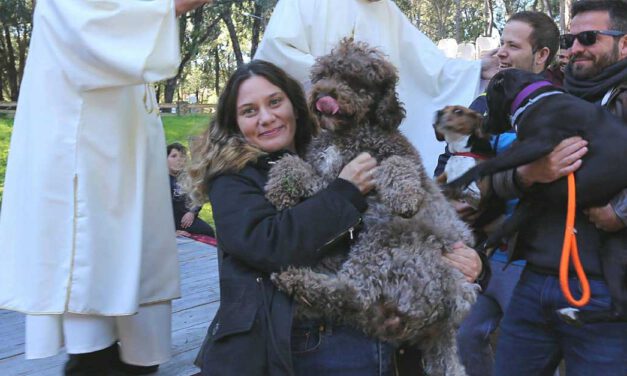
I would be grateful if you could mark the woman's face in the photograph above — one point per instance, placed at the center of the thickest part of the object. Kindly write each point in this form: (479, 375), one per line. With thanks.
(265, 115)
(176, 162)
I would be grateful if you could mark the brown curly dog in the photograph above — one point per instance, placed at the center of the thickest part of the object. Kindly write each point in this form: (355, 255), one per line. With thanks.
(393, 284)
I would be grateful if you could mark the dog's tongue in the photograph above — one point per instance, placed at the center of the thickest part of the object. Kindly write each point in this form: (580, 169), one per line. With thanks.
(327, 105)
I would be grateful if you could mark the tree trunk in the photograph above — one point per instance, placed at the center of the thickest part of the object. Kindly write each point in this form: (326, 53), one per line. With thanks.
(158, 92)
(170, 89)
(547, 8)
(458, 21)
(488, 17)
(565, 14)
(1, 88)
(228, 21)
(11, 72)
(254, 41)
(216, 69)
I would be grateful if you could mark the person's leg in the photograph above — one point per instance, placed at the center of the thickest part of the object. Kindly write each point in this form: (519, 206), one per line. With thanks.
(145, 338)
(200, 227)
(473, 338)
(593, 349)
(527, 344)
(319, 349)
(44, 336)
(508, 277)
(91, 344)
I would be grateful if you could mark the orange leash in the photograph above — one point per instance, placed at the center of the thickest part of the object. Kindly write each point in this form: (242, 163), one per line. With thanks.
(570, 247)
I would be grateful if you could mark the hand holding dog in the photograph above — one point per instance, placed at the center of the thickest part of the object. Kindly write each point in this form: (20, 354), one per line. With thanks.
(604, 218)
(360, 172)
(464, 259)
(564, 159)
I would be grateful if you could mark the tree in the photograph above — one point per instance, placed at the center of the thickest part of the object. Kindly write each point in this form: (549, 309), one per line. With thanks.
(15, 29)
(195, 28)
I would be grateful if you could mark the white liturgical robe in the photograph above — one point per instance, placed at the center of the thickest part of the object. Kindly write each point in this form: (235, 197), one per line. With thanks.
(86, 223)
(301, 30)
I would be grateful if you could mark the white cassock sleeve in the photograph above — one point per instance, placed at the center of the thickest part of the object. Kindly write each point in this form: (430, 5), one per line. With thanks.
(109, 43)
(286, 41)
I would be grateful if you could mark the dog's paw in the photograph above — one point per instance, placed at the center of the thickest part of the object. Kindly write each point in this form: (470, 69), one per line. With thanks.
(289, 181)
(400, 186)
(389, 324)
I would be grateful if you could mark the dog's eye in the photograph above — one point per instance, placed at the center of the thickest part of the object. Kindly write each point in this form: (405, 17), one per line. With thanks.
(458, 112)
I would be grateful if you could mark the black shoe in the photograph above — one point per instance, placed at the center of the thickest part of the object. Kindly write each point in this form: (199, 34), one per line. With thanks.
(130, 369)
(97, 363)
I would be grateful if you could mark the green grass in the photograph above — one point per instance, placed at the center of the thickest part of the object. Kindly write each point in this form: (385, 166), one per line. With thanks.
(177, 129)
(6, 125)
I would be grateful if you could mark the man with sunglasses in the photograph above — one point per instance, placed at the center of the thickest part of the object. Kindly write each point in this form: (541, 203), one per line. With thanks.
(533, 339)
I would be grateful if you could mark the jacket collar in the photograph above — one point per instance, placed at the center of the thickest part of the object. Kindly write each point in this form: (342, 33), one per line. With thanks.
(268, 160)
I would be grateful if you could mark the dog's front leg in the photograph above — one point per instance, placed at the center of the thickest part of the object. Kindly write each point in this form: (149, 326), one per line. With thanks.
(327, 293)
(399, 185)
(520, 153)
(440, 356)
(290, 180)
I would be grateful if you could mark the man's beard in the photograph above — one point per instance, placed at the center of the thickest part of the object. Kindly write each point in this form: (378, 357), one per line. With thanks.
(599, 63)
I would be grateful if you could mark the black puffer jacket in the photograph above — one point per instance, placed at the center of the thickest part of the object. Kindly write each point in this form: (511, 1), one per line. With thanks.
(250, 334)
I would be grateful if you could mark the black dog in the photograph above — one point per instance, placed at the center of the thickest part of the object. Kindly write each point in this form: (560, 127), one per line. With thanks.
(543, 116)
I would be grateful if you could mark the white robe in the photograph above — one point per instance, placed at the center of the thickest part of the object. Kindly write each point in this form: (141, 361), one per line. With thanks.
(86, 224)
(300, 30)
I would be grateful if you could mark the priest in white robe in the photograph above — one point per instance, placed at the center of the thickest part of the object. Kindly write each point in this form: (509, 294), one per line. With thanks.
(98, 262)
(301, 30)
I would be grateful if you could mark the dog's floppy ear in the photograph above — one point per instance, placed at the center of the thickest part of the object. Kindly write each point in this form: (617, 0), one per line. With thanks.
(389, 111)
(497, 118)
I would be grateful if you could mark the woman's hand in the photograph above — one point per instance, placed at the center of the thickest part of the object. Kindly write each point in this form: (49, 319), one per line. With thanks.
(466, 260)
(360, 172)
(564, 159)
(188, 219)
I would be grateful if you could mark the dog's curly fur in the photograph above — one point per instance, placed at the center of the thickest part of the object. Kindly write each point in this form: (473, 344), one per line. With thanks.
(394, 283)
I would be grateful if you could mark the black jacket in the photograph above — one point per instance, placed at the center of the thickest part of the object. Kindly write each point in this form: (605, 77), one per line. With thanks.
(250, 334)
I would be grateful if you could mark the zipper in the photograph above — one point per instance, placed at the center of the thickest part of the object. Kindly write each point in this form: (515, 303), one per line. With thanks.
(350, 231)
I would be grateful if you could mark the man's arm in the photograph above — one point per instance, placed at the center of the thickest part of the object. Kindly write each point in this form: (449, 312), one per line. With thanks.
(564, 159)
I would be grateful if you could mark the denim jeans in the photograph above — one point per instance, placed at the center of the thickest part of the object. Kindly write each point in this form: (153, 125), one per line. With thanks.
(327, 350)
(533, 339)
(473, 338)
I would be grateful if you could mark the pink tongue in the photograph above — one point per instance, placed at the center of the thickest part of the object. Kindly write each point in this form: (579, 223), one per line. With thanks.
(327, 105)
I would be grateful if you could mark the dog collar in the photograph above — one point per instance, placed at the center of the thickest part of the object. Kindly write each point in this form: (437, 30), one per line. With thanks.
(472, 155)
(524, 93)
(516, 115)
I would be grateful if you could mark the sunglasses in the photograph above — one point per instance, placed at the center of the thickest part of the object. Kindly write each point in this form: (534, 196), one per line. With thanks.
(586, 38)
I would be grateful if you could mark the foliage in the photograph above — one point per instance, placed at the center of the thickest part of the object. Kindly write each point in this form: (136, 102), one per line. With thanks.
(216, 38)
(6, 125)
(15, 29)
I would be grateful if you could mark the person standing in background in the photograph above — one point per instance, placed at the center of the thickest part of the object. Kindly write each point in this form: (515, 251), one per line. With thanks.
(98, 262)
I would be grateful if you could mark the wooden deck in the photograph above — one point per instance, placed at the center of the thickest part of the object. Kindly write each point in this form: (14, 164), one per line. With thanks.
(191, 316)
